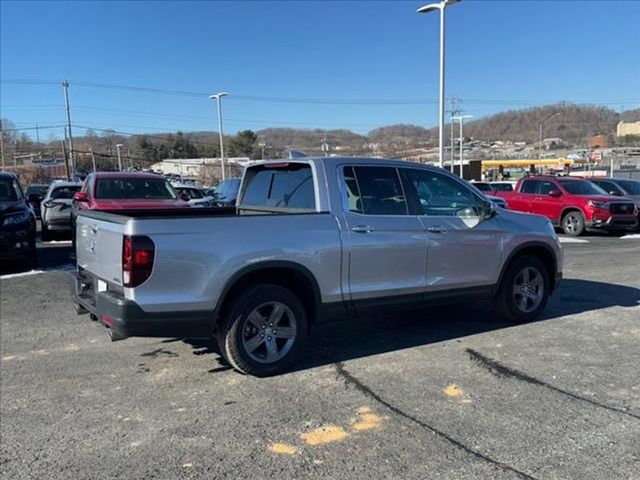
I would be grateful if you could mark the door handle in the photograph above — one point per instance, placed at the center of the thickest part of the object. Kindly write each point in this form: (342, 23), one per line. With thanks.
(362, 229)
(435, 229)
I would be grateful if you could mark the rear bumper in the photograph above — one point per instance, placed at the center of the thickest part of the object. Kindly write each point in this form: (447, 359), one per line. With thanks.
(57, 222)
(125, 318)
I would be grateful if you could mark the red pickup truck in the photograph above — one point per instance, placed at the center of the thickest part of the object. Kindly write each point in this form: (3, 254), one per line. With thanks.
(573, 204)
(120, 191)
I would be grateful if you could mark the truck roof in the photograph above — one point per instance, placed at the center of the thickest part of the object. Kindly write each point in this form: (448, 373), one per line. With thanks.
(553, 177)
(330, 161)
(126, 174)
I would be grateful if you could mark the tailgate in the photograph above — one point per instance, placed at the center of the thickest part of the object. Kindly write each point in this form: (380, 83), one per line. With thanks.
(99, 246)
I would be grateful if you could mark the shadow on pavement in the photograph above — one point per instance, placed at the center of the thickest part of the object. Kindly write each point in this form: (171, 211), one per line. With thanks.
(50, 256)
(338, 342)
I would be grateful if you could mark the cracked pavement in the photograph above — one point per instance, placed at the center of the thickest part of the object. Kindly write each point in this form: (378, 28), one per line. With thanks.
(449, 392)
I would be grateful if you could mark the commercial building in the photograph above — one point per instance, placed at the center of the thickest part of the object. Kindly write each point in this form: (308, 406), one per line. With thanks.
(628, 128)
(197, 168)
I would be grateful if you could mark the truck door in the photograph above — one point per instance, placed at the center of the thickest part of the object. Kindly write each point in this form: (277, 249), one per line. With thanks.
(464, 250)
(547, 205)
(386, 246)
(526, 195)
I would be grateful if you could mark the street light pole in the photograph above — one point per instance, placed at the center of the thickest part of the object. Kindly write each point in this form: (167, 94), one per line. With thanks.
(441, 6)
(118, 147)
(540, 133)
(65, 85)
(217, 97)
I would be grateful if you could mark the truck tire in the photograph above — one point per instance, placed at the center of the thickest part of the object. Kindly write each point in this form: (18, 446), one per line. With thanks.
(262, 330)
(573, 223)
(524, 290)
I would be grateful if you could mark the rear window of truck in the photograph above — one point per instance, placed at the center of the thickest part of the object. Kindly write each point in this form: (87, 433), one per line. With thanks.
(281, 186)
(134, 188)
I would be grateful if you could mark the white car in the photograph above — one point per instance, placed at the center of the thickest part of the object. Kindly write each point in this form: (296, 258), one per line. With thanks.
(197, 198)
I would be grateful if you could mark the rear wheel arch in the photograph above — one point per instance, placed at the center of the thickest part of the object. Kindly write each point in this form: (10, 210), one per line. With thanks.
(536, 249)
(290, 275)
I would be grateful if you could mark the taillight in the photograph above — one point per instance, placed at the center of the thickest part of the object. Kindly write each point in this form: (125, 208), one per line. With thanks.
(137, 259)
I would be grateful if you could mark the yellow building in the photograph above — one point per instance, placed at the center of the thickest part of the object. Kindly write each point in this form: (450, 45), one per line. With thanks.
(628, 128)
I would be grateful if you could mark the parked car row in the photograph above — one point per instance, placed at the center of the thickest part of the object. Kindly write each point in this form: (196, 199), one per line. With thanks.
(576, 204)
(17, 222)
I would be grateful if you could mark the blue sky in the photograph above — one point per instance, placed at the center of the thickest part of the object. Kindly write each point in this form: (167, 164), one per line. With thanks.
(500, 55)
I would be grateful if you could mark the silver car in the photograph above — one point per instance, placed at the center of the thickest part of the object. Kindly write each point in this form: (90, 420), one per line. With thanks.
(56, 208)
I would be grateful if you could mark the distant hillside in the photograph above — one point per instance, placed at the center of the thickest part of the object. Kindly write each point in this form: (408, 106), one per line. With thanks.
(573, 124)
(400, 134)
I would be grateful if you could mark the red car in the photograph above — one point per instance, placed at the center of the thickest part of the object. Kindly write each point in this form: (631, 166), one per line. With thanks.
(573, 204)
(119, 191)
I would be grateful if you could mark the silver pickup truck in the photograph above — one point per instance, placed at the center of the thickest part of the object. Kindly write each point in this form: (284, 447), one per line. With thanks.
(310, 240)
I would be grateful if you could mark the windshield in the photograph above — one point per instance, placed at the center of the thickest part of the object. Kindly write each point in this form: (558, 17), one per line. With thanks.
(630, 186)
(581, 187)
(502, 187)
(9, 190)
(134, 188)
(228, 188)
(40, 189)
(483, 187)
(65, 193)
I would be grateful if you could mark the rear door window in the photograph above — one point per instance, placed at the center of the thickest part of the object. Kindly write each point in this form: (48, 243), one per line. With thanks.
(375, 191)
(286, 186)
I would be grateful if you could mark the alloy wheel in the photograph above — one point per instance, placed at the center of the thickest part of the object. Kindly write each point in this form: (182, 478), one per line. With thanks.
(269, 332)
(528, 289)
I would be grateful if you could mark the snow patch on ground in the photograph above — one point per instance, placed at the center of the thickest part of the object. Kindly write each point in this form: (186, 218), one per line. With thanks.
(61, 268)
(635, 236)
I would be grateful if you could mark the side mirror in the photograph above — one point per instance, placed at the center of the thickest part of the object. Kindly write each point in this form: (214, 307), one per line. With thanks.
(185, 196)
(80, 197)
(555, 193)
(615, 193)
(34, 198)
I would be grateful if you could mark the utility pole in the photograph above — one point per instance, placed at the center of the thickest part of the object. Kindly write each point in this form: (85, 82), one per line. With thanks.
(262, 143)
(540, 133)
(65, 84)
(461, 118)
(37, 136)
(325, 146)
(93, 159)
(66, 158)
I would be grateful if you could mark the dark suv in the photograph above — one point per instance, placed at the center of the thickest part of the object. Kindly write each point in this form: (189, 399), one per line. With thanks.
(17, 222)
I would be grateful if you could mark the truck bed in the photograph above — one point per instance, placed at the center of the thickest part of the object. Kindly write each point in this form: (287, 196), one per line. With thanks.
(121, 215)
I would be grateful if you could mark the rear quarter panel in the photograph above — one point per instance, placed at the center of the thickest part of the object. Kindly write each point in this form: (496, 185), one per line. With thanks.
(196, 258)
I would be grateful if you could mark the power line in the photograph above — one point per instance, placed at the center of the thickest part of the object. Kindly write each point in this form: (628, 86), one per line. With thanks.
(320, 101)
(32, 128)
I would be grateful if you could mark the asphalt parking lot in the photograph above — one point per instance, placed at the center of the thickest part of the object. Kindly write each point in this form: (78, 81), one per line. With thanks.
(441, 393)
